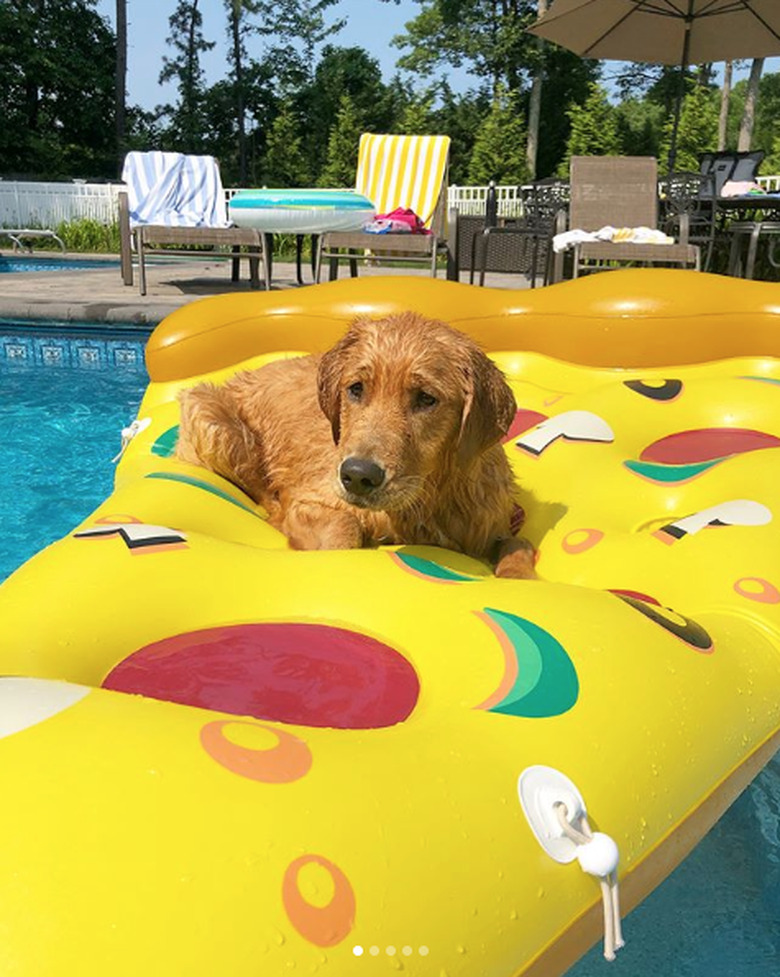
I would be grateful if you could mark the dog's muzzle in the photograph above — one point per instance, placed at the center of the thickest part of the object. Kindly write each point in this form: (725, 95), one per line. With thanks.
(360, 477)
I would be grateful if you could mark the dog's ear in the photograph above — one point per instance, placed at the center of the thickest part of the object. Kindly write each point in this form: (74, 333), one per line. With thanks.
(489, 406)
(329, 376)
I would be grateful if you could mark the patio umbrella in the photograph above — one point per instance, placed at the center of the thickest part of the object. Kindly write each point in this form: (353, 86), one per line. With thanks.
(673, 32)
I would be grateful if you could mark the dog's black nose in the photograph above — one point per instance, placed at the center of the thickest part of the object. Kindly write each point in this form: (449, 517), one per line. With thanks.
(360, 476)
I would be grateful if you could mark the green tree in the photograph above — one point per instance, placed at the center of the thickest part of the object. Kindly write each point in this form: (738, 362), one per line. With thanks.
(489, 38)
(294, 24)
(459, 117)
(698, 127)
(284, 163)
(567, 80)
(57, 97)
(767, 128)
(303, 22)
(499, 148)
(486, 36)
(594, 129)
(120, 82)
(342, 155)
(238, 27)
(186, 37)
(640, 124)
(345, 71)
(417, 116)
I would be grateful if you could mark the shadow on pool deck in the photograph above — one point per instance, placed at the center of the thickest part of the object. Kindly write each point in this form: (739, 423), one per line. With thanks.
(99, 295)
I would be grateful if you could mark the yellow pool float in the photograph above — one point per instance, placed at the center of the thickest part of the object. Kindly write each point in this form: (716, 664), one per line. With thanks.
(219, 756)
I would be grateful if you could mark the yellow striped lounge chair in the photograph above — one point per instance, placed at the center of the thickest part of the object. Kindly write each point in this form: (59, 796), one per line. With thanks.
(396, 171)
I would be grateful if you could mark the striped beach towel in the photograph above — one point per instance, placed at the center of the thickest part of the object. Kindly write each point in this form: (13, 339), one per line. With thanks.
(402, 171)
(174, 190)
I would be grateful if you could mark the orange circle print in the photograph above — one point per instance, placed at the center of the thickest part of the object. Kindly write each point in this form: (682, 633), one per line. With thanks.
(289, 760)
(321, 925)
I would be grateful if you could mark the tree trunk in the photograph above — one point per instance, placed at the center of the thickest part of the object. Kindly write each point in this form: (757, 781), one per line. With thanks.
(189, 93)
(749, 115)
(121, 80)
(725, 95)
(238, 66)
(535, 103)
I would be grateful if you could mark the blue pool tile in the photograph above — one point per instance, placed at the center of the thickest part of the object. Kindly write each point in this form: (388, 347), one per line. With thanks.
(79, 352)
(51, 351)
(16, 350)
(89, 354)
(123, 354)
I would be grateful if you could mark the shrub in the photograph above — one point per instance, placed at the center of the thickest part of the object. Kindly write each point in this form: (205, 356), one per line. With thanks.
(87, 235)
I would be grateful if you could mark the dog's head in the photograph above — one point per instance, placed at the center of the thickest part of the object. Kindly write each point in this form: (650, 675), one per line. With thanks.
(409, 399)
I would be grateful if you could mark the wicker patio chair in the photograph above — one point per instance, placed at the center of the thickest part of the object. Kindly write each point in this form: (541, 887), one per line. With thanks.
(174, 203)
(523, 245)
(396, 171)
(620, 192)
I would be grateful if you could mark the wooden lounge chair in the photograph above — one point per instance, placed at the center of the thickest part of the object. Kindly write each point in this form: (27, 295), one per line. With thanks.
(174, 202)
(620, 192)
(396, 171)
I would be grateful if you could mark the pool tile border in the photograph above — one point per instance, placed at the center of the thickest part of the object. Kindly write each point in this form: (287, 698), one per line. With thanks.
(74, 352)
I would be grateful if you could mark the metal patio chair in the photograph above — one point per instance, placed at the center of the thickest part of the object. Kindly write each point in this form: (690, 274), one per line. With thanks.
(690, 210)
(523, 244)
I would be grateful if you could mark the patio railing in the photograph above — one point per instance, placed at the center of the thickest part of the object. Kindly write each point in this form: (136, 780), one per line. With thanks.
(30, 204)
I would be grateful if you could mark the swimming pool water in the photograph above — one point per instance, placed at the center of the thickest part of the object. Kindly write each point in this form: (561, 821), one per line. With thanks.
(11, 264)
(63, 403)
(718, 914)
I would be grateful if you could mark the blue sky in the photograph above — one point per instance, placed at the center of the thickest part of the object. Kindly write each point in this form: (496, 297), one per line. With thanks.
(370, 25)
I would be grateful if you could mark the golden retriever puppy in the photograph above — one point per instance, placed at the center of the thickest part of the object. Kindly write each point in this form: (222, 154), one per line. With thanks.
(392, 436)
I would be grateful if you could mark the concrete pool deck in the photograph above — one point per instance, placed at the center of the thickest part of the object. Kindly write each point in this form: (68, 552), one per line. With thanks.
(99, 295)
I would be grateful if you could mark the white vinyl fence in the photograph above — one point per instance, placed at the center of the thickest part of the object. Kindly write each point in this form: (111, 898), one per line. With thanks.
(28, 204)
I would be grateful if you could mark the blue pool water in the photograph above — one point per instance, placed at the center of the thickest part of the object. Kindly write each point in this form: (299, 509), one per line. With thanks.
(63, 403)
(21, 264)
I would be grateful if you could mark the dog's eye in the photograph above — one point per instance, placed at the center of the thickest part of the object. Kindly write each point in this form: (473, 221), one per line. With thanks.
(424, 401)
(355, 390)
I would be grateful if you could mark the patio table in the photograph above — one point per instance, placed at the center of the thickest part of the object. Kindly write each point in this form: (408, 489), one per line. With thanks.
(751, 204)
(306, 211)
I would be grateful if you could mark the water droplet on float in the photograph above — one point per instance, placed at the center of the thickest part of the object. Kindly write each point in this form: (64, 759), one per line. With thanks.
(513, 914)
(460, 948)
(280, 938)
(540, 893)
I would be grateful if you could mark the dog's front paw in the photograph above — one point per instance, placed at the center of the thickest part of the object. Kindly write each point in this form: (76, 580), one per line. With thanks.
(517, 560)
